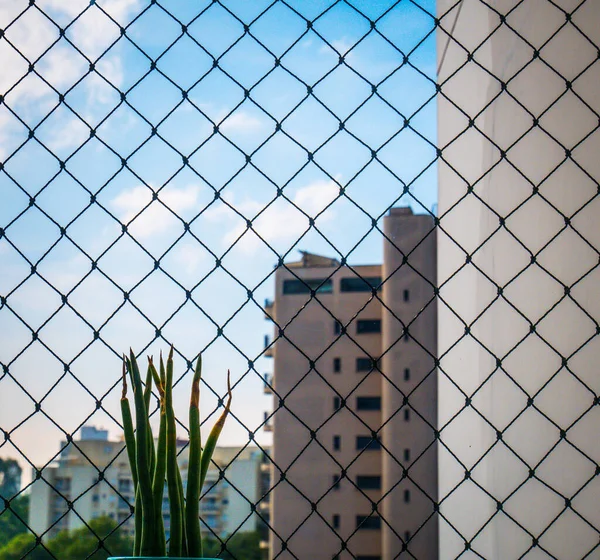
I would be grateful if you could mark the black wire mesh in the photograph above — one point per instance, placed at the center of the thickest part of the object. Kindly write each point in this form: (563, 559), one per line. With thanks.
(119, 162)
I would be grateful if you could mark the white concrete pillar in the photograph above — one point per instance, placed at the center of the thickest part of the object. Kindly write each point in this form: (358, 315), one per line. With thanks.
(506, 184)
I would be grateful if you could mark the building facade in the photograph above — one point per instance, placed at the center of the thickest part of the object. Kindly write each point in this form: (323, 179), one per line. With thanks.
(226, 506)
(519, 242)
(355, 395)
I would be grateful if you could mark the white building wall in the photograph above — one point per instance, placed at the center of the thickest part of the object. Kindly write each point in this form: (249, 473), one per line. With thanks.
(243, 477)
(39, 499)
(82, 480)
(565, 326)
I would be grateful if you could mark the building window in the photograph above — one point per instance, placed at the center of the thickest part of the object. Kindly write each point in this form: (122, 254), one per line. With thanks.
(337, 327)
(407, 536)
(62, 484)
(368, 326)
(407, 415)
(367, 482)
(406, 336)
(360, 284)
(212, 521)
(406, 496)
(336, 521)
(125, 485)
(406, 374)
(407, 455)
(364, 364)
(337, 443)
(337, 365)
(368, 403)
(367, 442)
(406, 295)
(368, 522)
(337, 403)
(304, 286)
(336, 481)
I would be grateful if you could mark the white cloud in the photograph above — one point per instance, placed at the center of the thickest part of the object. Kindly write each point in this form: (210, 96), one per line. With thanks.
(316, 196)
(157, 218)
(93, 32)
(241, 122)
(189, 256)
(282, 222)
(5, 123)
(33, 34)
(72, 133)
(342, 46)
(98, 87)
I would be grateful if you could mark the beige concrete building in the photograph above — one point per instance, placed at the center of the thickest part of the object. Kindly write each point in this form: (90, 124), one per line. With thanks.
(225, 507)
(529, 292)
(355, 402)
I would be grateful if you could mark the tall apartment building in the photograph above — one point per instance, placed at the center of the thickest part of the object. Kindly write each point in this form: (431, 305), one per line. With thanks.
(355, 398)
(225, 507)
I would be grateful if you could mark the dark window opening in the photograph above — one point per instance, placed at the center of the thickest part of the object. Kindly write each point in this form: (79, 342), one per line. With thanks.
(368, 326)
(337, 365)
(407, 536)
(337, 403)
(406, 496)
(406, 415)
(304, 286)
(337, 443)
(367, 442)
(360, 284)
(368, 522)
(405, 295)
(336, 481)
(336, 521)
(337, 327)
(406, 374)
(407, 454)
(367, 482)
(365, 364)
(368, 403)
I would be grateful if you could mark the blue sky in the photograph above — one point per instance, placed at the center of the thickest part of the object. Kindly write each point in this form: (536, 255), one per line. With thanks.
(216, 162)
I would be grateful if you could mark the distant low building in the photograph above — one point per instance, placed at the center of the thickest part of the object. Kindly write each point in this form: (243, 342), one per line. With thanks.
(92, 478)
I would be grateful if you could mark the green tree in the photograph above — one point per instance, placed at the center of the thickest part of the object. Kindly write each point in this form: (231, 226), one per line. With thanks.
(84, 543)
(240, 546)
(23, 545)
(11, 515)
(72, 545)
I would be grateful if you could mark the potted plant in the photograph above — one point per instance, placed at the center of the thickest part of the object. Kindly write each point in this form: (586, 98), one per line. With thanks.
(151, 466)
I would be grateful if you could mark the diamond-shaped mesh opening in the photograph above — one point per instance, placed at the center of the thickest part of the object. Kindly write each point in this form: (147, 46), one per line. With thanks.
(427, 384)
